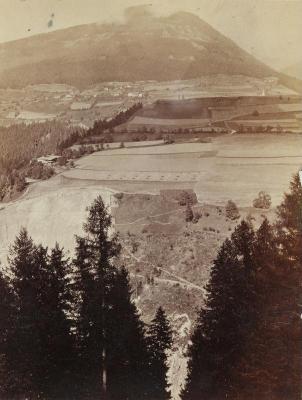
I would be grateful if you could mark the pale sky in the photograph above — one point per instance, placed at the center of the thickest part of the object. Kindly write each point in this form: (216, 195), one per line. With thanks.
(269, 29)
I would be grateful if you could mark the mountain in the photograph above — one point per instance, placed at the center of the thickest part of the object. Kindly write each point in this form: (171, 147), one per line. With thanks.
(294, 70)
(143, 47)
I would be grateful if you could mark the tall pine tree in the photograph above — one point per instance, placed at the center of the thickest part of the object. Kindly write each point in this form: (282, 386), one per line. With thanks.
(111, 341)
(128, 357)
(60, 346)
(41, 332)
(7, 313)
(25, 360)
(160, 342)
(226, 320)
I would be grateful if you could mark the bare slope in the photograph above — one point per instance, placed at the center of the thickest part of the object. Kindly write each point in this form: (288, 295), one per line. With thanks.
(52, 212)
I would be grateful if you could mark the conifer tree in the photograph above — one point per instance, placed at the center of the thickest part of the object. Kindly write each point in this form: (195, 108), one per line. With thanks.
(160, 342)
(289, 224)
(256, 371)
(128, 357)
(25, 359)
(289, 238)
(270, 367)
(60, 347)
(111, 337)
(7, 312)
(226, 320)
(42, 341)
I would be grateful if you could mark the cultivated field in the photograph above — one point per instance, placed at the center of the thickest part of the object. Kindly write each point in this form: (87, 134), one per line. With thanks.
(231, 167)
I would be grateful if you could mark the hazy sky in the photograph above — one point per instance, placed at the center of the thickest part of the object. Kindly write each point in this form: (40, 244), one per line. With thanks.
(269, 29)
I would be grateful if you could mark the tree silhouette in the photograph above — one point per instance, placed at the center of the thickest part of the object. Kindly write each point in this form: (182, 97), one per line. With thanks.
(7, 312)
(160, 341)
(224, 323)
(42, 344)
(128, 357)
(112, 347)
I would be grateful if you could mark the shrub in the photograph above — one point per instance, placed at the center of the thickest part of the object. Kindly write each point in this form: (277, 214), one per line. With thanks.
(186, 197)
(231, 210)
(189, 213)
(263, 200)
(119, 196)
(62, 161)
(256, 113)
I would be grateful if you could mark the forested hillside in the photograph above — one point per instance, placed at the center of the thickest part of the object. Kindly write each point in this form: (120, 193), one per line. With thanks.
(20, 144)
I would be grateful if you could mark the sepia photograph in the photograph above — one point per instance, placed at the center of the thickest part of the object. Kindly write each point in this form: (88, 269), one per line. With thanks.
(150, 200)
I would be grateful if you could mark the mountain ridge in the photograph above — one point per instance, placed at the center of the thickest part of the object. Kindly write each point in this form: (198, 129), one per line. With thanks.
(179, 46)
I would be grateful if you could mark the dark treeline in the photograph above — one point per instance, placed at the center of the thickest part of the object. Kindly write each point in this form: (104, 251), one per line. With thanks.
(101, 126)
(69, 329)
(247, 342)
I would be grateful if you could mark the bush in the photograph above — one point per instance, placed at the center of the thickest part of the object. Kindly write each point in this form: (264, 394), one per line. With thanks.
(39, 171)
(256, 113)
(168, 140)
(119, 196)
(231, 210)
(189, 213)
(263, 200)
(186, 198)
(62, 161)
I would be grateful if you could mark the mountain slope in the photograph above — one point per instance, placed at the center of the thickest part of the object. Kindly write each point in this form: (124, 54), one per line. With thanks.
(145, 47)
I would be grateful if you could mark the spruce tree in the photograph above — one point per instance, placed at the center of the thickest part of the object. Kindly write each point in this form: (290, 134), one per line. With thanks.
(270, 367)
(25, 359)
(128, 357)
(256, 371)
(42, 340)
(60, 346)
(226, 320)
(96, 275)
(7, 313)
(289, 223)
(111, 337)
(160, 342)
(289, 239)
